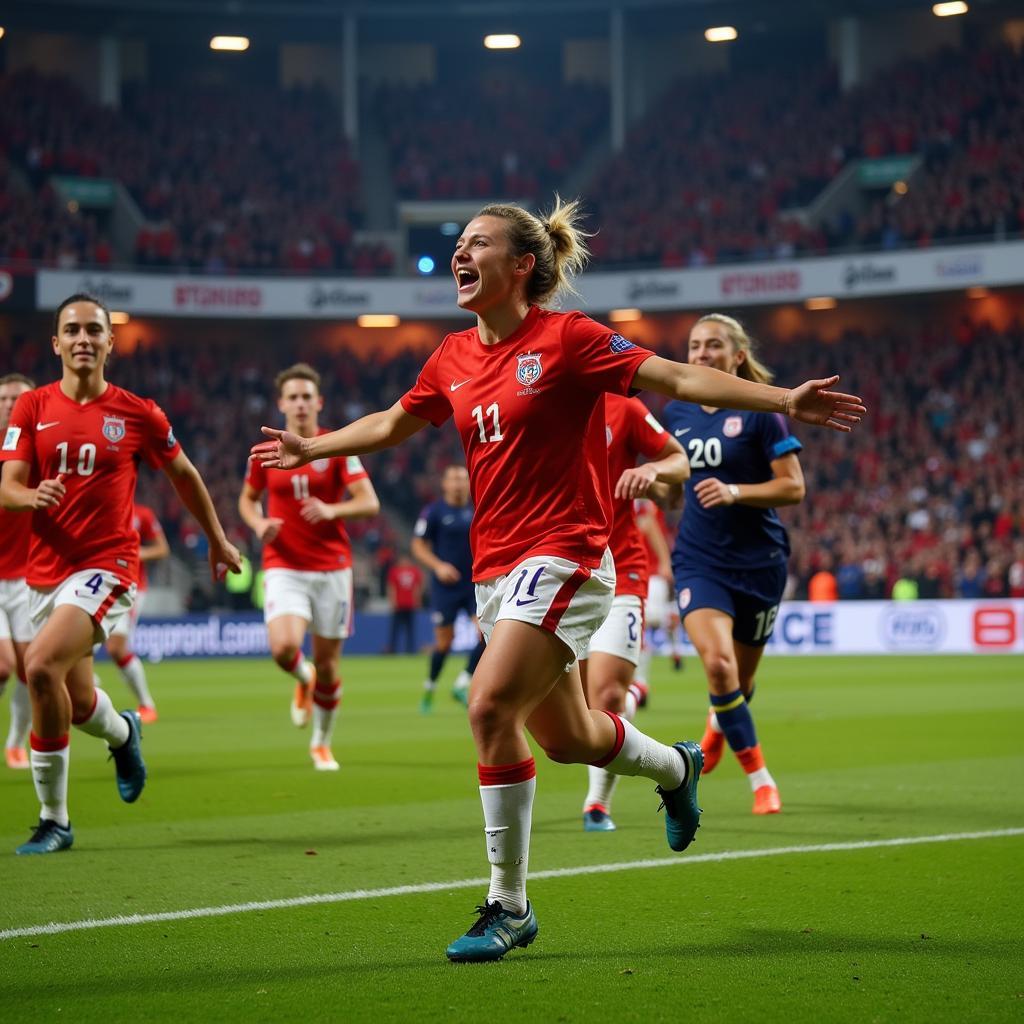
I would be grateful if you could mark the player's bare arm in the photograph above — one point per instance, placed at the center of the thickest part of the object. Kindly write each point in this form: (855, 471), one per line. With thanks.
(196, 498)
(424, 554)
(785, 488)
(670, 467)
(17, 496)
(362, 503)
(250, 509)
(156, 549)
(649, 527)
(811, 402)
(369, 434)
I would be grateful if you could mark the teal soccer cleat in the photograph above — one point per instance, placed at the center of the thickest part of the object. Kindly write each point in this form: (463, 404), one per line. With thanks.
(128, 764)
(493, 935)
(48, 837)
(682, 815)
(595, 819)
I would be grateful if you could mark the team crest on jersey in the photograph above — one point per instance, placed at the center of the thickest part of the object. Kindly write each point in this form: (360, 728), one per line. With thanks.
(528, 370)
(113, 429)
(684, 598)
(618, 343)
(320, 465)
(732, 426)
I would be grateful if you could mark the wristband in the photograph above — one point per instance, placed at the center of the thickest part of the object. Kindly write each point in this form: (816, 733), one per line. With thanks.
(735, 492)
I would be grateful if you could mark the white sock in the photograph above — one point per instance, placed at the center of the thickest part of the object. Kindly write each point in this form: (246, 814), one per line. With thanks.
(713, 722)
(643, 668)
(601, 785)
(303, 670)
(430, 685)
(462, 681)
(629, 711)
(50, 776)
(762, 777)
(135, 676)
(21, 716)
(642, 755)
(105, 723)
(325, 711)
(508, 813)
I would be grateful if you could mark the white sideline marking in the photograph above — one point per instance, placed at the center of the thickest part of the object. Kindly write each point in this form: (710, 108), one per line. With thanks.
(60, 927)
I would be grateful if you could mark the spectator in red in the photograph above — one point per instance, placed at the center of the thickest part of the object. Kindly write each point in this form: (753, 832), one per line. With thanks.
(405, 592)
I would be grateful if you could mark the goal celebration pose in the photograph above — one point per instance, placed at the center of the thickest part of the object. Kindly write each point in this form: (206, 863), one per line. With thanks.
(526, 387)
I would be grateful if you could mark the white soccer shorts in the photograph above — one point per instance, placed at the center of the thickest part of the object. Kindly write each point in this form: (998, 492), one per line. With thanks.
(622, 632)
(15, 621)
(126, 624)
(101, 594)
(323, 599)
(553, 593)
(659, 601)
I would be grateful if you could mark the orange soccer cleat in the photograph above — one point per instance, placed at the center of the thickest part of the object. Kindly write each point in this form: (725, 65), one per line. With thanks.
(16, 758)
(766, 800)
(712, 743)
(302, 704)
(323, 759)
(147, 714)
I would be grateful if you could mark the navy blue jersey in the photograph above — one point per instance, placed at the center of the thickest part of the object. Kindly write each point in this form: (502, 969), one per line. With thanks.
(446, 528)
(735, 448)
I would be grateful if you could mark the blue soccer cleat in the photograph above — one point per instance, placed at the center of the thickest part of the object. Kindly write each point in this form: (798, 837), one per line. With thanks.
(128, 764)
(682, 815)
(494, 934)
(596, 819)
(48, 837)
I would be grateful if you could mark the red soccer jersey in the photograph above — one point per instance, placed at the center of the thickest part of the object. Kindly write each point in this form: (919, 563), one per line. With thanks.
(96, 445)
(306, 547)
(15, 528)
(647, 507)
(148, 528)
(631, 431)
(405, 582)
(535, 450)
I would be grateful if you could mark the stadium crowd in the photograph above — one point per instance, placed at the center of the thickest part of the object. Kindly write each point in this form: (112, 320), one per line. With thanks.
(931, 488)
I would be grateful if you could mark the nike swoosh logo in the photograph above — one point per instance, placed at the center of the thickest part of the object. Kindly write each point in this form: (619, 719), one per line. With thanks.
(455, 387)
(46, 426)
(683, 430)
(520, 602)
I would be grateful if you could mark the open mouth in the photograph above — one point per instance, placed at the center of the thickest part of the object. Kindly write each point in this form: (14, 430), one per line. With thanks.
(466, 278)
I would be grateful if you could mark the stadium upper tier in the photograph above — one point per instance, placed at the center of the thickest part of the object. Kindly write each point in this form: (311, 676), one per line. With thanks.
(720, 168)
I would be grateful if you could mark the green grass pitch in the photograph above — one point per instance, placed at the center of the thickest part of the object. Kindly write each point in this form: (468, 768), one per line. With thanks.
(864, 750)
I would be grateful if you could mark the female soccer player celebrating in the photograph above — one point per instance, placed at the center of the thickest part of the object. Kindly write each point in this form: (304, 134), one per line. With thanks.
(72, 450)
(731, 553)
(524, 385)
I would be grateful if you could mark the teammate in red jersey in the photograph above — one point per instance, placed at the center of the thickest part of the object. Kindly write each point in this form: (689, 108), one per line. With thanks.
(71, 454)
(15, 627)
(152, 547)
(608, 663)
(524, 386)
(307, 559)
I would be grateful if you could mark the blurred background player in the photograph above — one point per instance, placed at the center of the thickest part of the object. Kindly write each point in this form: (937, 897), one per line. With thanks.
(79, 441)
(524, 387)
(152, 547)
(731, 553)
(405, 594)
(15, 627)
(440, 543)
(608, 664)
(307, 559)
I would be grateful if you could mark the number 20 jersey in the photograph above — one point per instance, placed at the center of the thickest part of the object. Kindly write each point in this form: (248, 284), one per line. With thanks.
(735, 448)
(536, 453)
(97, 445)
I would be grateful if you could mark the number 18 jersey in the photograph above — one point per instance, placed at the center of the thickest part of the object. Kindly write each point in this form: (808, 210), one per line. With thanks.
(735, 448)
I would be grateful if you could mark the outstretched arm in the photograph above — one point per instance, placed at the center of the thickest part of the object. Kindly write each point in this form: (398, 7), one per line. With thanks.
(670, 467)
(368, 434)
(811, 402)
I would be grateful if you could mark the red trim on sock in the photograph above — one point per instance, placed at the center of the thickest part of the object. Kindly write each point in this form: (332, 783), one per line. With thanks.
(328, 699)
(565, 594)
(22, 680)
(751, 759)
(43, 745)
(295, 663)
(506, 774)
(126, 660)
(620, 738)
(79, 719)
(595, 807)
(108, 601)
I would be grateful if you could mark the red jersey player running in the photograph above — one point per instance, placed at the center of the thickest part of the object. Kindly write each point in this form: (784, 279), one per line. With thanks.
(307, 558)
(15, 627)
(607, 667)
(152, 547)
(526, 387)
(71, 456)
